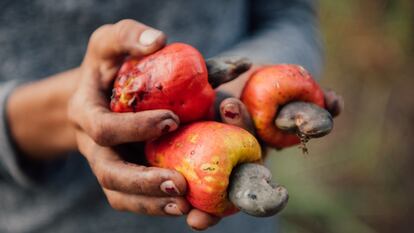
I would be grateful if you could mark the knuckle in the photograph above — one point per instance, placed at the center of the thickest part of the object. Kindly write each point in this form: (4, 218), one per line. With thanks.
(155, 207)
(125, 23)
(105, 180)
(142, 208)
(140, 188)
(115, 203)
(145, 181)
(100, 135)
(153, 175)
(98, 33)
(123, 29)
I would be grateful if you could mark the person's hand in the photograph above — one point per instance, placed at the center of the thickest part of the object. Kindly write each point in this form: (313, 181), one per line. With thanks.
(128, 186)
(334, 102)
(109, 140)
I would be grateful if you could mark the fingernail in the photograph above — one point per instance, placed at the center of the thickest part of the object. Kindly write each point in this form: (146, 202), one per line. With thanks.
(169, 187)
(196, 229)
(172, 209)
(231, 111)
(167, 126)
(149, 36)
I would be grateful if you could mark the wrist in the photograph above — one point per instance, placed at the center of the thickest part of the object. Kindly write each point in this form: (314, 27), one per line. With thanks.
(37, 118)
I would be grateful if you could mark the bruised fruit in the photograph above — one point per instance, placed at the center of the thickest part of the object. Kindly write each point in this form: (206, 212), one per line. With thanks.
(206, 153)
(173, 78)
(272, 88)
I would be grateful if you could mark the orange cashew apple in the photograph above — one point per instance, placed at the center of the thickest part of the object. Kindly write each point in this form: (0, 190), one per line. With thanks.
(206, 153)
(286, 105)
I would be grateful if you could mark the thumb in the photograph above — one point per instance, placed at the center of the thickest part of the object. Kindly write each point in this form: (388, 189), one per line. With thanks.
(127, 37)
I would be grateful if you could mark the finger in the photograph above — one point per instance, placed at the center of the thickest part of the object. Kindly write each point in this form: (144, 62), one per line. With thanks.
(115, 174)
(136, 179)
(199, 220)
(234, 112)
(117, 128)
(139, 204)
(88, 110)
(86, 145)
(334, 103)
(108, 128)
(225, 69)
(125, 37)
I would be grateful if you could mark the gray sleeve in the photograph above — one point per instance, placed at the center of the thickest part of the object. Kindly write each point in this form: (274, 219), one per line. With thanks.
(284, 31)
(9, 165)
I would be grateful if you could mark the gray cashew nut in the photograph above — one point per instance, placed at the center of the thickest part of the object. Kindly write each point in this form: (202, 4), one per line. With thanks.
(252, 191)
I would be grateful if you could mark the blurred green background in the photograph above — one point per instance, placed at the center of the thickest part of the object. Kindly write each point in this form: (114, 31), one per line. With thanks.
(360, 177)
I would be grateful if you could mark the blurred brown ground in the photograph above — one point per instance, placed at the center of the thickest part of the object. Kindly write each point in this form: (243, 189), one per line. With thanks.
(361, 177)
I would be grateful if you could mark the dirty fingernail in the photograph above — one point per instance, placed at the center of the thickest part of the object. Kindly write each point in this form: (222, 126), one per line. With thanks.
(196, 229)
(169, 187)
(149, 36)
(167, 125)
(172, 209)
(231, 111)
(334, 103)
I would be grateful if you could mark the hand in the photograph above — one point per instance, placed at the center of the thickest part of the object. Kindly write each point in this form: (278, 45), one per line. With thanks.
(127, 186)
(317, 118)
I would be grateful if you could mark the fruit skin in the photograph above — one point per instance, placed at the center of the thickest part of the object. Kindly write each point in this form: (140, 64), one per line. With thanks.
(205, 153)
(173, 78)
(271, 87)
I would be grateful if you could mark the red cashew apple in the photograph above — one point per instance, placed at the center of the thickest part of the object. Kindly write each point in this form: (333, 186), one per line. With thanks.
(206, 153)
(173, 78)
(285, 104)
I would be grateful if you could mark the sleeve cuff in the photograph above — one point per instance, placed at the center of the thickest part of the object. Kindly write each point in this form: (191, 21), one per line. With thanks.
(10, 168)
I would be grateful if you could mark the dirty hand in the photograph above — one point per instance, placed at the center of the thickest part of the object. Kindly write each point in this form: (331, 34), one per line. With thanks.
(314, 121)
(106, 138)
(128, 187)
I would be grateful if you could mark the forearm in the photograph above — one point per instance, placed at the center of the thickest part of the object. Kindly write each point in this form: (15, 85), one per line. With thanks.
(37, 117)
